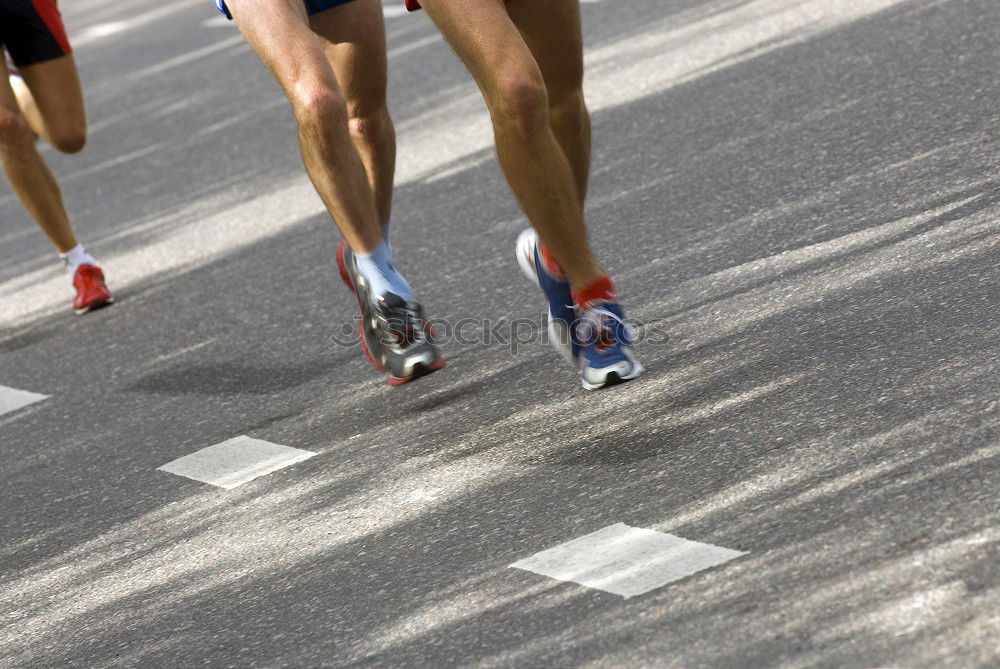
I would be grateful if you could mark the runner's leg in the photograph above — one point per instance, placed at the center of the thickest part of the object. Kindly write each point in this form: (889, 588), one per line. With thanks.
(394, 329)
(278, 30)
(486, 39)
(30, 178)
(52, 102)
(552, 31)
(354, 40)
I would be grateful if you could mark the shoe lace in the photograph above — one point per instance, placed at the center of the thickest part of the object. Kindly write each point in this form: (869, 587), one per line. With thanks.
(402, 325)
(593, 328)
(89, 279)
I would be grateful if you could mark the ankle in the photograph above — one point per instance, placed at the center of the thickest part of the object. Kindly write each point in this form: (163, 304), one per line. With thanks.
(549, 264)
(600, 290)
(380, 272)
(584, 271)
(75, 257)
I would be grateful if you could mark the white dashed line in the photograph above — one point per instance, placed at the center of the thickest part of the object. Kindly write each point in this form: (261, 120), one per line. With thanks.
(626, 561)
(180, 352)
(12, 399)
(394, 11)
(413, 46)
(233, 42)
(102, 30)
(219, 21)
(98, 32)
(235, 461)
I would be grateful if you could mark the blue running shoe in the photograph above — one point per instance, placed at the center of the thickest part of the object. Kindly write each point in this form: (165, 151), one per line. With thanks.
(605, 339)
(562, 314)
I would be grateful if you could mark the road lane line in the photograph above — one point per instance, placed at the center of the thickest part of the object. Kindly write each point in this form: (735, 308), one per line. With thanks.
(235, 461)
(219, 21)
(626, 561)
(414, 45)
(98, 32)
(12, 399)
(152, 71)
(178, 353)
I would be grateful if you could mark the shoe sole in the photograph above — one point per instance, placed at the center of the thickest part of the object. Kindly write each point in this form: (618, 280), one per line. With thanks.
(342, 266)
(94, 307)
(419, 369)
(614, 378)
(525, 251)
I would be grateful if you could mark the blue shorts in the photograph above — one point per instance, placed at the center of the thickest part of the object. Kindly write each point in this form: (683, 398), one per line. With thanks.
(312, 6)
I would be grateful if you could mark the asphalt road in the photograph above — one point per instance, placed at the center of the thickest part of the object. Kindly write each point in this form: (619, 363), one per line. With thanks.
(801, 203)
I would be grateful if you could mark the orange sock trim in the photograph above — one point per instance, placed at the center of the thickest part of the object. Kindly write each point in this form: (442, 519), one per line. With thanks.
(549, 261)
(601, 290)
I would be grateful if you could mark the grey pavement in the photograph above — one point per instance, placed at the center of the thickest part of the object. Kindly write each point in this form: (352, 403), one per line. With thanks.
(801, 203)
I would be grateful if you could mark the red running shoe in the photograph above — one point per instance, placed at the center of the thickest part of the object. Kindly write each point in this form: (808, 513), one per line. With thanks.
(91, 293)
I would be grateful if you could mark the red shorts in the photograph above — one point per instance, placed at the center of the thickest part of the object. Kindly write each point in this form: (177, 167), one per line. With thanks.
(32, 31)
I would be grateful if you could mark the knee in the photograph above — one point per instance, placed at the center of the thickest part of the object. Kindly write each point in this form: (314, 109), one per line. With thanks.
(370, 126)
(319, 108)
(523, 105)
(568, 110)
(14, 129)
(70, 140)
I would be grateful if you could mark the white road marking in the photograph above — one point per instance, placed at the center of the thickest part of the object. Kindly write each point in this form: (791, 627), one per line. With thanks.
(219, 21)
(12, 399)
(394, 11)
(102, 30)
(98, 32)
(184, 351)
(235, 461)
(417, 44)
(626, 561)
(151, 71)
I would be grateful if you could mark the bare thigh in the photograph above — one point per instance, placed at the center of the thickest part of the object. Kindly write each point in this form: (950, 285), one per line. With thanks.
(486, 39)
(353, 37)
(551, 29)
(279, 32)
(55, 89)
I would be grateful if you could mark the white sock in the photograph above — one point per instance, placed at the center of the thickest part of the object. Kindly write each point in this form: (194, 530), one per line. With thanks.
(75, 257)
(381, 274)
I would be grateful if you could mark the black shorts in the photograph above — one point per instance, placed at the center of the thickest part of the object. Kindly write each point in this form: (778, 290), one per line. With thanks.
(32, 31)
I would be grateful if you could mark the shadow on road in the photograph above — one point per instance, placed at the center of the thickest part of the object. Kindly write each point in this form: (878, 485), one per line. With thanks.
(815, 225)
